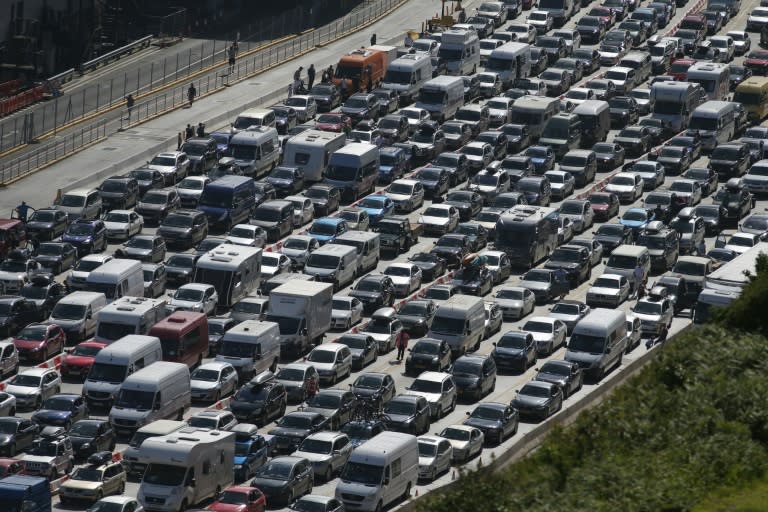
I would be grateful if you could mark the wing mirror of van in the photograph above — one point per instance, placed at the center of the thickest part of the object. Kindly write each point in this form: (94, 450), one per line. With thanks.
(157, 407)
(191, 482)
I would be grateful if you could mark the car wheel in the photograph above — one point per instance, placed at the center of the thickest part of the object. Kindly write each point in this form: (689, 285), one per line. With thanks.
(121, 489)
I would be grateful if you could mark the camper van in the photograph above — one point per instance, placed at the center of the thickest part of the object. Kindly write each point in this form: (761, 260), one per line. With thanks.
(598, 342)
(117, 278)
(252, 347)
(380, 471)
(157, 428)
(161, 390)
(76, 314)
(128, 315)
(228, 201)
(256, 151)
(714, 77)
(511, 61)
(535, 111)
(184, 337)
(407, 74)
(234, 270)
(441, 97)
(527, 234)
(114, 363)
(333, 263)
(715, 122)
(311, 152)
(368, 247)
(354, 170)
(186, 468)
(460, 50)
(460, 321)
(595, 116)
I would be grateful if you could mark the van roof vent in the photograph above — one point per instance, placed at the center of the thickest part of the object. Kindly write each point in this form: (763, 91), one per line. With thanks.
(125, 308)
(190, 439)
(221, 258)
(177, 320)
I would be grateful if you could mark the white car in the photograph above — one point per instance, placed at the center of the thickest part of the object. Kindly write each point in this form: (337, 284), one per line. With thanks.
(195, 297)
(116, 504)
(741, 41)
(439, 219)
(655, 313)
(526, 33)
(345, 312)
(579, 211)
(298, 248)
(688, 189)
(191, 188)
(333, 362)
(595, 249)
(500, 110)
(439, 390)
(7, 405)
(757, 19)
(303, 210)
(250, 308)
(212, 381)
(245, 234)
(726, 45)
(562, 183)
(608, 290)
(305, 107)
(742, 242)
(515, 302)
(405, 276)
(549, 333)
(123, 224)
(498, 263)
(273, 263)
(31, 387)
(622, 77)
(435, 456)
(486, 47)
(578, 95)
(407, 195)
(466, 441)
(173, 165)
(496, 11)
(626, 185)
(415, 117)
(78, 276)
(542, 21)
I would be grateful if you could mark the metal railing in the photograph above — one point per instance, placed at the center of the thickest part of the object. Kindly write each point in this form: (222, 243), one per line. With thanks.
(251, 62)
(115, 54)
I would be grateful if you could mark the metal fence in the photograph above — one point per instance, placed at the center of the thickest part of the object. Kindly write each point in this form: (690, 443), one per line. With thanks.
(206, 80)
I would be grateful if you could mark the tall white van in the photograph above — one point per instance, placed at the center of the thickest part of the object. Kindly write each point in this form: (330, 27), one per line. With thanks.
(114, 363)
(442, 97)
(380, 471)
(511, 60)
(333, 263)
(234, 270)
(598, 342)
(117, 278)
(252, 347)
(161, 390)
(460, 321)
(256, 151)
(715, 122)
(407, 74)
(128, 315)
(460, 50)
(311, 151)
(368, 247)
(76, 314)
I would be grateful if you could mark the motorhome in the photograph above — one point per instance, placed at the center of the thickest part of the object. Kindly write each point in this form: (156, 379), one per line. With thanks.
(128, 315)
(117, 278)
(598, 342)
(535, 112)
(311, 152)
(256, 151)
(76, 314)
(673, 103)
(184, 337)
(595, 116)
(114, 363)
(753, 94)
(734, 275)
(527, 234)
(157, 428)
(441, 97)
(354, 170)
(407, 74)
(368, 246)
(715, 122)
(713, 77)
(460, 322)
(235, 271)
(460, 50)
(251, 347)
(511, 61)
(186, 468)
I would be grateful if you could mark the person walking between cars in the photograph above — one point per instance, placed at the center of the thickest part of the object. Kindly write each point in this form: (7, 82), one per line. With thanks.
(639, 281)
(402, 344)
(344, 89)
(701, 249)
(561, 281)
(297, 74)
(373, 39)
(310, 76)
(189, 132)
(200, 130)
(191, 93)
(23, 211)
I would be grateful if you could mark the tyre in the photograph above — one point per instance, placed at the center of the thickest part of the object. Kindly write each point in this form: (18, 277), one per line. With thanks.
(121, 489)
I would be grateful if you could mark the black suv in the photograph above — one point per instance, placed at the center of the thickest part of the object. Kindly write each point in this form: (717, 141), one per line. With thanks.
(396, 234)
(259, 402)
(575, 260)
(730, 160)
(428, 354)
(326, 199)
(663, 245)
(374, 291)
(452, 248)
(119, 193)
(474, 375)
(407, 413)
(203, 153)
(184, 228)
(18, 312)
(286, 180)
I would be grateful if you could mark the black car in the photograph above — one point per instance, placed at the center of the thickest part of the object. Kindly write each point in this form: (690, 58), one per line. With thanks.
(473, 281)
(336, 405)
(518, 137)
(738, 74)
(431, 265)
(624, 111)
(203, 153)
(283, 479)
(468, 203)
(428, 354)
(394, 127)
(16, 313)
(119, 193)
(567, 375)
(294, 427)
(16, 434)
(374, 291)
(497, 421)
(259, 402)
(416, 316)
(44, 291)
(365, 349)
(435, 181)
(611, 236)
(179, 268)
(455, 163)
(325, 198)
(477, 233)
(408, 414)
(374, 387)
(574, 260)
(664, 204)
(634, 139)
(730, 160)
(609, 155)
(184, 228)
(326, 96)
(515, 351)
(474, 375)
(264, 192)
(147, 179)
(538, 400)
(360, 431)
(452, 248)
(714, 216)
(46, 224)
(286, 180)
(91, 436)
(707, 178)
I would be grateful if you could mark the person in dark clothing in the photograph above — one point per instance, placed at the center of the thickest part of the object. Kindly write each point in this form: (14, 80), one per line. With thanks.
(129, 103)
(402, 344)
(297, 74)
(232, 53)
(23, 211)
(191, 93)
(373, 39)
(310, 76)
(190, 132)
(200, 130)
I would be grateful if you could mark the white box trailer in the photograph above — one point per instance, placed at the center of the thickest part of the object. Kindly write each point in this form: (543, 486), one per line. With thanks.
(128, 315)
(185, 468)
(302, 309)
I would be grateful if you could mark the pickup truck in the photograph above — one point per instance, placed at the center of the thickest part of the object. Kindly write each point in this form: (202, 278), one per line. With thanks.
(397, 234)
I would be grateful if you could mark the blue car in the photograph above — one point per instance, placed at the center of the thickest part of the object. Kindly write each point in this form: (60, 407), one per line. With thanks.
(543, 158)
(61, 410)
(637, 219)
(377, 206)
(326, 229)
(393, 164)
(251, 453)
(86, 236)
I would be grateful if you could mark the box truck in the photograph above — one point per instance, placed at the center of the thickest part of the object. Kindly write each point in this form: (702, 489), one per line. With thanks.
(21, 493)
(303, 311)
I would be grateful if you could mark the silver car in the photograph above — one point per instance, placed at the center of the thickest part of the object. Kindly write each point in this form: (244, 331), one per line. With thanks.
(327, 451)
(435, 456)
(515, 302)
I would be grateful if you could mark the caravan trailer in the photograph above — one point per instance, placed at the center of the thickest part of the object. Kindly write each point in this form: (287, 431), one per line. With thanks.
(235, 271)
(311, 151)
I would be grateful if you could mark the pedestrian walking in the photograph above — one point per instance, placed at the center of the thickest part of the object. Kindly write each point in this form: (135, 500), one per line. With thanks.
(290, 90)
(200, 130)
(373, 39)
(701, 249)
(191, 93)
(178, 141)
(402, 344)
(344, 89)
(324, 78)
(129, 103)
(638, 274)
(561, 280)
(311, 76)
(189, 132)
(297, 74)
(23, 211)
(408, 40)
(330, 72)
(232, 53)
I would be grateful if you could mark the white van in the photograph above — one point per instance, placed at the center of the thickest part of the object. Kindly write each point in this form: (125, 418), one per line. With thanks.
(256, 151)
(333, 263)
(598, 342)
(128, 315)
(114, 363)
(511, 61)
(640, 62)
(311, 151)
(715, 122)
(354, 170)
(161, 390)
(202, 459)
(442, 97)
(254, 118)
(76, 314)
(407, 74)
(535, 111)
(460, 50)
(380, 471)
(78, 276)
(119, 277)
(460, 321)
(368, 247)
(625, 258)
(252, 347)
(157, 428)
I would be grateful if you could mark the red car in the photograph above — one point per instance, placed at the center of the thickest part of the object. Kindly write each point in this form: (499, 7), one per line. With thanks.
(239, 498)
(38, 342)
(11, 467)
(757, 61)
(78, 362)
(606, 14)
(604, 204)
(333, 122)
(679, 69)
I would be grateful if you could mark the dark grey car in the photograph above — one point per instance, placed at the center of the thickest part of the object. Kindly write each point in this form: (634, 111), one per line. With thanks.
(497, 421)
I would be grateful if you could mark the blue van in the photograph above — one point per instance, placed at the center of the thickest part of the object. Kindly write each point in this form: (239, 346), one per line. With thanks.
(228, 201)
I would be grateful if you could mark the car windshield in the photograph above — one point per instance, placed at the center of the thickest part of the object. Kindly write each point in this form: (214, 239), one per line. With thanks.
(135, 399)
(205, 375)
(291, 374)
(316, 446)
(323, 228)
(623, 181)
(535, 391)
(437, 293)
(30, 381)
(510, 294)
(635, 215)
(541, 276)
(276, 470)
(741, 241)
(427, 449)
(325, 401)
(154, 198)
(398, 407)
(32, 332)
(466, 368)
(191, 184)
(85, 350)
(397, 271)
(359, 472)
(457, 434)
(536, 326)
(488, 217)
(57, 404)
(188, 294)
(50, 249)
(321, 356)
(255, 395)
(644, 307)
(296, 244)
(84, 429)
(87, 475)
(426, 386)
(604, 282)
